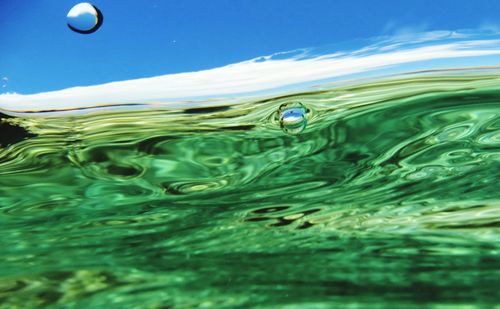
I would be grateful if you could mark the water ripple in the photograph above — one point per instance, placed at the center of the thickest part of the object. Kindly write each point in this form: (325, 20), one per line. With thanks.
(389, 183)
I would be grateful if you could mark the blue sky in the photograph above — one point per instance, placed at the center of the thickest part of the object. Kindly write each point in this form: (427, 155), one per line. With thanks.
(138, 39)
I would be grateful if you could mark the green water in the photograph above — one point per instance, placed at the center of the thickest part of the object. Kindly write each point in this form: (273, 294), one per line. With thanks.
(389, 198)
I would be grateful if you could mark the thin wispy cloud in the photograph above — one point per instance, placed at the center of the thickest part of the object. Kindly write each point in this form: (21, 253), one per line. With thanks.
(490, 26)
(392, 28)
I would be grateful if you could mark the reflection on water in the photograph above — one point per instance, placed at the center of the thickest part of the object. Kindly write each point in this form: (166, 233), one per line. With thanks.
(389, 197)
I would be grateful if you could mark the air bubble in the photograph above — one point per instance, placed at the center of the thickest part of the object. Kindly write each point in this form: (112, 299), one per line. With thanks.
(84, 18)
(292, 117)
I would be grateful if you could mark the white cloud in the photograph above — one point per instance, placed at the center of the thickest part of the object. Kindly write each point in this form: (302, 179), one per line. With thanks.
(260, 75)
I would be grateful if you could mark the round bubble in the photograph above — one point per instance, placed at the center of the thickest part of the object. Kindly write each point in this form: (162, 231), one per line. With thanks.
(84, 18)
(292, 117)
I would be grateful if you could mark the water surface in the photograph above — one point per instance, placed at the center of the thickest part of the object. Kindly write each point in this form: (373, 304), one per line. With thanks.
(388, 198)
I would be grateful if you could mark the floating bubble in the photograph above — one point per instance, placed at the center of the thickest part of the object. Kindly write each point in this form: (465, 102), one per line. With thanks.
(5, 80)
(84, 18)
(292, 117)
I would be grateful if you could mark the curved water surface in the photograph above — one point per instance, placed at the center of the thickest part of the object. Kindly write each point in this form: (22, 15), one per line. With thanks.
(388, 197)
